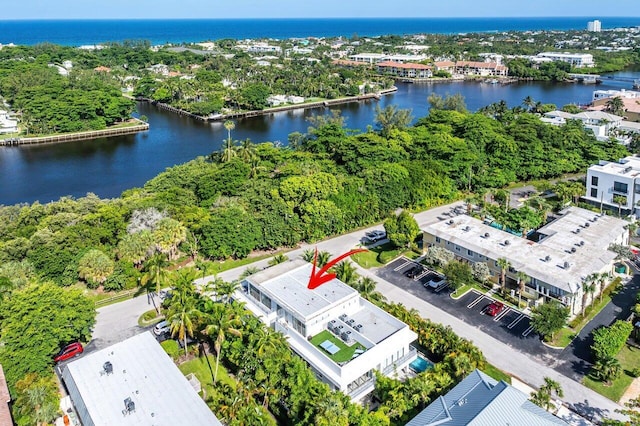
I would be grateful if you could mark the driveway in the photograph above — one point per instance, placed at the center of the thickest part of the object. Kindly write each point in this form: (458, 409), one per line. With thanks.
(575, 360)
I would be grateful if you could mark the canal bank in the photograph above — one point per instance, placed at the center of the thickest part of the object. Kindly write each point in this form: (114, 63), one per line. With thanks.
(77, 136)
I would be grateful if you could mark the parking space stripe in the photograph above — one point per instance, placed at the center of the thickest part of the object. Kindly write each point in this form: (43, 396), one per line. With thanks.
(402, 266)
(423, 274)
(515, 321)
(501, 314)
(527, 331)
(475, 302)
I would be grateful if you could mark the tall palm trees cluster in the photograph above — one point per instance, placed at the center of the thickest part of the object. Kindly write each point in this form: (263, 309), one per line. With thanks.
(244, 150)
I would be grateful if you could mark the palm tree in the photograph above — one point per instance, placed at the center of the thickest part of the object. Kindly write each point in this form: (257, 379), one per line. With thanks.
(183, 309)
(249, 270)
(220, 321)
(323, 258)
(542, 397)
(229, 125)
(620, 200)
(588, 287)
(346, 272)
(602, 279)
(228, 151)
(504, 265)
(277, 259)
(155, 276)
(607, 369)
(308, 255)
(523, 279)
(246, 151)
(224, 289)
(615, 105)
(529, 103)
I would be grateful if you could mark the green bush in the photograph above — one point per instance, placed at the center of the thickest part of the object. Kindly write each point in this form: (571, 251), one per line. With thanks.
(635, 372)
(387, 256)
(607, 341)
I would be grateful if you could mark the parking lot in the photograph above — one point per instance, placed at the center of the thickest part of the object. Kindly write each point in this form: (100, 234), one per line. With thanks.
(508, 325)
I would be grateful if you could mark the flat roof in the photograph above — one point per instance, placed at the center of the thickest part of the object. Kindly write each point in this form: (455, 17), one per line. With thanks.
(628, 167)
(287, 284)
(143, 372)
(570, 231)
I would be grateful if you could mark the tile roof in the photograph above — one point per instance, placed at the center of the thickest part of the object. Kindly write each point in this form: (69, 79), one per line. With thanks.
(406, 65)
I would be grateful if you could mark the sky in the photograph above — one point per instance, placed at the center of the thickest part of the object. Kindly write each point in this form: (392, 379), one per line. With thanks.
(212, 9)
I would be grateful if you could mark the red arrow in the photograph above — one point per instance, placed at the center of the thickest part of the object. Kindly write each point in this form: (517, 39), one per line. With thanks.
(320, 278)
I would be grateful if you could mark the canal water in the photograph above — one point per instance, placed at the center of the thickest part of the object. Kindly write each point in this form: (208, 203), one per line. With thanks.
(107, 167)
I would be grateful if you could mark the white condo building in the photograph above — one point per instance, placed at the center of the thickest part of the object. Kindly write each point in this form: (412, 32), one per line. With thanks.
(556, 258)
(324, 324)
(577, 60)
(608, 179)
(594, 26)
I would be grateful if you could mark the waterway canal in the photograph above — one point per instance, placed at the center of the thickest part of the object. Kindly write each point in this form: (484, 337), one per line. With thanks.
(107, 167)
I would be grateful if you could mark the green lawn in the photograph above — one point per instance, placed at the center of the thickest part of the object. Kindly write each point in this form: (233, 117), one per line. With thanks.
(200, 368)
(344, 354)
(493, 371)
(629, 359)
(563, 338)
(381, 255)
(215, 267)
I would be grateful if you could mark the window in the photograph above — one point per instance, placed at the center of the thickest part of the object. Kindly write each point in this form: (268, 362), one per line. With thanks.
(437, 239)
(457, 248)
(620, 187)
(594, 180)
(637, 188)
(594, 192)
(470, 253)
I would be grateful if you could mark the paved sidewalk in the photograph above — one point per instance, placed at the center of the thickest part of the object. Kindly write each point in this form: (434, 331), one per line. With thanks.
(583, 400)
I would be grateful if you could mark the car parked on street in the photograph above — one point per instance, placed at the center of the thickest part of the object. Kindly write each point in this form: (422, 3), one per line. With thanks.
(494, 308)
(375, 236)
(69, 351)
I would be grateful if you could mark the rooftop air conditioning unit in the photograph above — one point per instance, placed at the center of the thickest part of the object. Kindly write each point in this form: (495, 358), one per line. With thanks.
(547, 258)
(566, 265)
(343, 317)
(467, 228)
(129, 406)
(351, 321)
(577, 230)
(345, 336)
(358, 327)
(107, 367)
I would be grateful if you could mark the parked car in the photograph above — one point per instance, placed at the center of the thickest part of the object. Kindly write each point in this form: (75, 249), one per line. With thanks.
(161, 328)
(494, 308)
(69, 351)
(375, 236)
(414, 272)
(437, 282)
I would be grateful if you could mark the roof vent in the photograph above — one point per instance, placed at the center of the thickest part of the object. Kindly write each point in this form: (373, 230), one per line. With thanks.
(461, 402)
(573, 249)
(467, 228)
(451, 222)
(547, 258)
(595, 218)
(566, 265)
(107, 367)
(507, 242)
(581, 243)
(486, 235)
(577, 230)
(129, 406)
(587, 224)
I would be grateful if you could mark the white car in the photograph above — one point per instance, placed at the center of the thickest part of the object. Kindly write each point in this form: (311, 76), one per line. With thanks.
(161, 328)
(376, 235)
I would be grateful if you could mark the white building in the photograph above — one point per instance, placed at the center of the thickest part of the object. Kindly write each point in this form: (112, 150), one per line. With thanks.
(329, 323)
(261, 47)
(7, 125)
(556, 258)
(133, 382)
(607, 180)
(599, 122)
(369, 58)
(577, 60)
(594, 26)
(606, 94)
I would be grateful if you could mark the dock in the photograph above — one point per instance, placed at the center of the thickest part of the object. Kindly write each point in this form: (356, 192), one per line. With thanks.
(585, 78)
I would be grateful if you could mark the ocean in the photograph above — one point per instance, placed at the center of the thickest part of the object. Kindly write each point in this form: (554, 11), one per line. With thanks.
(87, 32)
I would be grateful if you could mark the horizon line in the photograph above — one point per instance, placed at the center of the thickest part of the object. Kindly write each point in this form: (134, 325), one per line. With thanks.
(317, 18)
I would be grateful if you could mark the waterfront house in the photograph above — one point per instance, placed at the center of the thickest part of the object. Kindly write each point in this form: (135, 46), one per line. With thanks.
(482, 69)
(577, 60)
(599, 122)
(556, 257)
(343, 337)
(7, 125)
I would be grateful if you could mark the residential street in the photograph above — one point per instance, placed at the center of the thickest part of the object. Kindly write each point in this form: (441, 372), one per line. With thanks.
(119, 321)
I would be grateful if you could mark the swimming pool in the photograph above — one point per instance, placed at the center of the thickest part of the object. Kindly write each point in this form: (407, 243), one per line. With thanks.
(420, 364)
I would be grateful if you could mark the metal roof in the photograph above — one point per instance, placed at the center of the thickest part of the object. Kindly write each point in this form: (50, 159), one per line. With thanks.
(479, 400)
